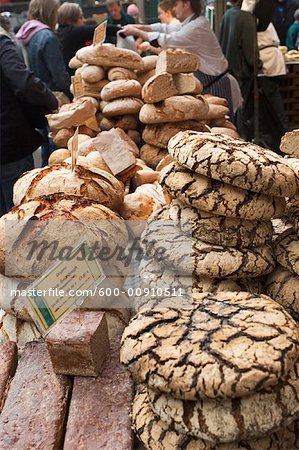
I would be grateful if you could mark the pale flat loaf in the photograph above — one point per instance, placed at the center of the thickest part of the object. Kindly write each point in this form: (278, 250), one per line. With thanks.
(121, 88)
(110, 56)
(121, 106)
(177, 61)
(92, 74)
(158, 88)
(175, 109)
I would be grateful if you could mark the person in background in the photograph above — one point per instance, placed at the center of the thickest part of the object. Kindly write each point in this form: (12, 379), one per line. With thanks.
(238, 40)
(283, 18)
(133, 11)
(293, 33)
(44, 54)
(24, 102)
(116, 16)
(73, 33)
(193, 34)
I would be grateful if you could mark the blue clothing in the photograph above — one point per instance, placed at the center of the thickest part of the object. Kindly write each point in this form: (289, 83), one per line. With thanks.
(292, 36)
(46, 60)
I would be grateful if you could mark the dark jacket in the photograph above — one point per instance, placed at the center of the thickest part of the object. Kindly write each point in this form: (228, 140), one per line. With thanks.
(24, 101)
(238, 40)
(125, 19)
(283, 18)
(72, 38)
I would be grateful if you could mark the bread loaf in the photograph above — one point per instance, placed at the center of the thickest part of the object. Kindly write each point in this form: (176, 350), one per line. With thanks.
(58, 156)
(110, 56)
(121, 106)
(187, 83)
(83, 129)
(159, 135)
(119, 73)
(91, 160)
(143, 77)
(94, 184)
(121, 88)
(16, 330)
(91, 89)
(177, 61)
(213, 100)
(81, 138)
(227, 131)
(175, 109)
(158, 88)
(217, 112)
(164, 162)
(290, 143)
(75, 63)
(126, 122)
(92, 74)
(62, 137)
(9, 361)
(116, 140)
(10, 301)
(149, 63)
(135, 136)
(152, 155)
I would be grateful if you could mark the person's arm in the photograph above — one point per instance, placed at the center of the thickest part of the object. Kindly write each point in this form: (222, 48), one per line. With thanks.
(249, 40)
(85, 32)
(164, 39)
(22, 81)
(53, 58)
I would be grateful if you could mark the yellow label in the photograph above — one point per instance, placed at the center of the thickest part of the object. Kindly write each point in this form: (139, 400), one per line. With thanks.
(77, 85)
(99, 34)
(64, 287)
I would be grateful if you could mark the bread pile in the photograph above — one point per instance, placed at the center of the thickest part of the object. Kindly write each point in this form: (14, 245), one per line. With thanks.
(283, 283)
(219, 374)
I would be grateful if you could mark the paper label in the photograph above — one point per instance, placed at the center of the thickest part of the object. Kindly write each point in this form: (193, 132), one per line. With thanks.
(64, 287)
(75, 149)
(77, 85)
(99, 35)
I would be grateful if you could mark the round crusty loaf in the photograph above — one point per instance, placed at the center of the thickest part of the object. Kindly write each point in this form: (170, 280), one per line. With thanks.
(120, 73)
(283, 286)
(92, 74)
(121, 88)
(152, 155)
(58, 156)
(81, 138)
(61, 220)
(91, 160)
(62, 137)
(149, 63)
(121, 106)
(110, 56)
(75, 63)
(289, 143)
(159, 135)
(92, 183)
(175, 109)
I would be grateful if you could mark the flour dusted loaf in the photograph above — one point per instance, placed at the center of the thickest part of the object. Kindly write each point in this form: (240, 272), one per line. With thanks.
(58, 156)
(110, 56)
(121, 106)
(94, 184)
(248, 342)
(177, 61)
(236, 162)
(290, 143)
(286, 248)
(121, 88)
(92, 74)
(219, 198)
(158, 88)
(159, 135)
(174, 109)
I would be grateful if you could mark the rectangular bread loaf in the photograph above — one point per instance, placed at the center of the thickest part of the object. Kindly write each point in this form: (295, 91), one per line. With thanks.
(34, 413)
(175, 109)
(177, 61)
(8, 364)
(104, 404)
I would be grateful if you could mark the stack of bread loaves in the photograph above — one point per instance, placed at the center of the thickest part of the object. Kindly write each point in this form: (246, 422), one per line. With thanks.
(283, 284)
(217, 235)
(171, 104)
(221, 374)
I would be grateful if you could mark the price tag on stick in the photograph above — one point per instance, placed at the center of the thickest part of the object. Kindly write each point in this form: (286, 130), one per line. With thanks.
(77, 85)
(75, 149)
(99, 34)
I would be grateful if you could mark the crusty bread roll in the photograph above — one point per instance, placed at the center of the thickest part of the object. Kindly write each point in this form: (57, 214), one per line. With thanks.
(83, 129)
(187, 83)
(121, 88)
(158, 88)
(75, 63)
(159, 135)
(175, 109)
(110, 56)
(62, 137)
(217, 112)
(145, 176)
(135, 136)
(81, 138)
(92, 159)
(92, 74)
(213, 100)
(143, 77)
(94, 184)
(79, 70)
(120, 73)
(226, 131)
(149, 63)
(126, 122)
(290, 143)
(58, 156)
(121, 106)
(86, 147)
(152, 155)
(164, 162)
(177, 61)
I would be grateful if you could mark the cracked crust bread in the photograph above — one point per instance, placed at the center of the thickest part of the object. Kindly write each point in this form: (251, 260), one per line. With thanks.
(283, 286)
(219, 421)
(286, 248)
(157, 435)
(226, 345)
(218, 230)
(163, 240)
(92, 183)
(234, 161)
(219, 198)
